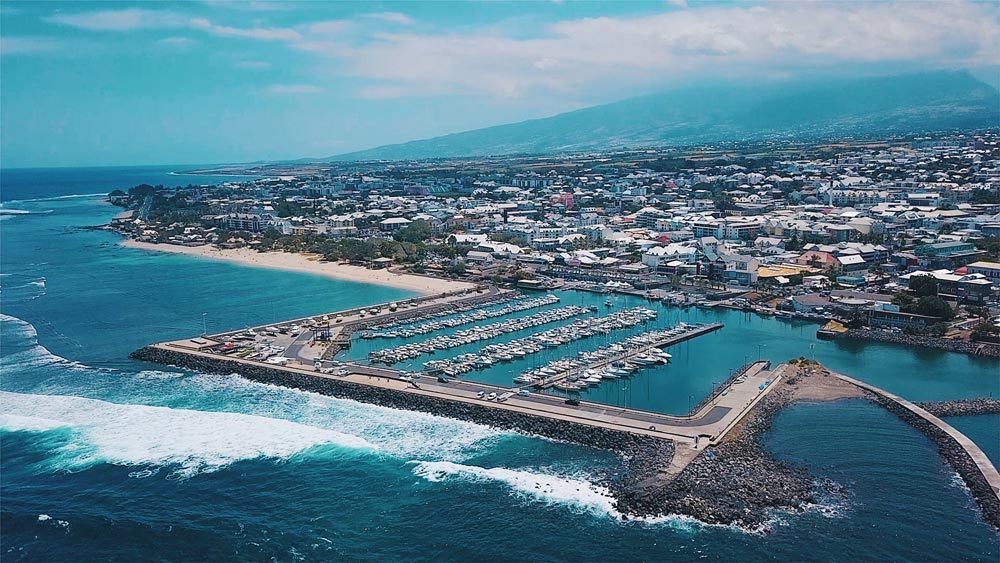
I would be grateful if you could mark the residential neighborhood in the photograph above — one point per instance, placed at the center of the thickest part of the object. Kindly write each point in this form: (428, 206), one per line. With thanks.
(839, 229)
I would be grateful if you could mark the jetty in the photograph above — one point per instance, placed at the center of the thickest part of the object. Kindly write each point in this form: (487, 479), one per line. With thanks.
(963, 454)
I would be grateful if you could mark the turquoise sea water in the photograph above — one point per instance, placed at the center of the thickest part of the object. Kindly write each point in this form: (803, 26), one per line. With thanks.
(106, 458)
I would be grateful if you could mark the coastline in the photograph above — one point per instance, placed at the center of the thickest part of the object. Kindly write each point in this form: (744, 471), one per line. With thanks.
(423, 285)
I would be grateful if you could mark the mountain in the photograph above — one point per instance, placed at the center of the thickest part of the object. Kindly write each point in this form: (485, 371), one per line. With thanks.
(911, 103)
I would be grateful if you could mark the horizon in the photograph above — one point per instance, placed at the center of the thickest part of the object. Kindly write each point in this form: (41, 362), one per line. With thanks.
(149, 84)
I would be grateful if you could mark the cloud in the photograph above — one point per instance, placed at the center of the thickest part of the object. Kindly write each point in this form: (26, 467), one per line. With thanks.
(250, 5)
(118, 20)
(179, 42)
(292, 89)
(630, 52)
(258, 33)
(329, 27)
(132, 19)
(254, 65)
(26, 45)
(392, 17)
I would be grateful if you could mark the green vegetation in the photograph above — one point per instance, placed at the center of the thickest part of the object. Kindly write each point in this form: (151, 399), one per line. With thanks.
(928, 305)
(991, 245)
(349, 249)
(416, 232)
(923, 286)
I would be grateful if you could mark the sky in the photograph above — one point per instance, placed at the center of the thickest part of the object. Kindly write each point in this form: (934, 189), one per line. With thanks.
(216, 81)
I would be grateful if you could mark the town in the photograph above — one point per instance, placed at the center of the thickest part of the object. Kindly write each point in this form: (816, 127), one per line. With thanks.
(893, 239)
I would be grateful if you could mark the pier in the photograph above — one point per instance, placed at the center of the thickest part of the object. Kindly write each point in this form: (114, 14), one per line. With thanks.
(632, 353)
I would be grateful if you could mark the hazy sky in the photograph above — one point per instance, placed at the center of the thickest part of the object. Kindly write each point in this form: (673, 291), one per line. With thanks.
(216, 81)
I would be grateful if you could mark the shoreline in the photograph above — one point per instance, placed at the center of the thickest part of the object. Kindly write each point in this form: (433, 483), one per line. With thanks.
(977, 349)
(424, 285)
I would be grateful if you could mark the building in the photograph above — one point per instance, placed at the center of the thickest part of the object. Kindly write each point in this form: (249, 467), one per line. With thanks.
(946, 254)
(989, 270)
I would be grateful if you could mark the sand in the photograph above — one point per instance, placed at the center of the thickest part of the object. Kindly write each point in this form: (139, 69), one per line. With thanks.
(310, 265)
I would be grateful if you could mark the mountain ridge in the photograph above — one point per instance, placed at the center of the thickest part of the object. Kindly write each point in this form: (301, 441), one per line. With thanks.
(912, 103)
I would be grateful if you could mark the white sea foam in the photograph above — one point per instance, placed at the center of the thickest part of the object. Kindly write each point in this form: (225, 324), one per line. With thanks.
(22, 337)
(194, 441)
(540, 487)
(399, 433)
(28, 423)
(54, 198)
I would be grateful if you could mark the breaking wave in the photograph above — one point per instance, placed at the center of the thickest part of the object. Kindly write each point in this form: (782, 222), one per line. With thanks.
(138, 435)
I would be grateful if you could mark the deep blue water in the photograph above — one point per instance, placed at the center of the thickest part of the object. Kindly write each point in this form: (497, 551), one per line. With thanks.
(31, 183)
(105, 458)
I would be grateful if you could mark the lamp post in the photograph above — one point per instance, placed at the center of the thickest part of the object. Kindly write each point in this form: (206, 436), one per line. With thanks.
(204, 324)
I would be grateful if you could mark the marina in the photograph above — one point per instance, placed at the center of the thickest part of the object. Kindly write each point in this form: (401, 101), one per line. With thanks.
(614, 360)
(590, 345)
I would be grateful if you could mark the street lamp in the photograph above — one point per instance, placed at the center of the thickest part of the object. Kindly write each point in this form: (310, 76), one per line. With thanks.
(759, 355)
(204, 324)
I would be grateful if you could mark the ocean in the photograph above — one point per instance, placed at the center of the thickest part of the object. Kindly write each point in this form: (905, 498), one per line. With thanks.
(103, 457)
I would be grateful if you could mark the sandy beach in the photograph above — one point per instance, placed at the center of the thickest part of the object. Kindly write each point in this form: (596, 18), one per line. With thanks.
(309, 265)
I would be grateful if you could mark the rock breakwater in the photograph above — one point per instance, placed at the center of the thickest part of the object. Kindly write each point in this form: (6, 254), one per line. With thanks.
(955, 455)
(958, 346)
(735, 483)
(962, 407)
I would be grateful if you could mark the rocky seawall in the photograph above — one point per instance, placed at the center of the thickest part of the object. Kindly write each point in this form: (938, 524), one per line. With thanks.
(735, 483)
(958, 346)
(962, 407)
(955, 455)
(642, 456)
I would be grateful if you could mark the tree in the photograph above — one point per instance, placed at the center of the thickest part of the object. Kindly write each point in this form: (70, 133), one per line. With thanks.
(933, 306)
(923, 286)
(416, 232)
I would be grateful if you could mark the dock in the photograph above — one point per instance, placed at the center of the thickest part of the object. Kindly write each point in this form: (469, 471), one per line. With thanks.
(604, 362)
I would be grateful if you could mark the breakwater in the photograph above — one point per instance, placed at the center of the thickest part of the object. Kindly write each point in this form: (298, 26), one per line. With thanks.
(642, 456)
(958, 346)
(736, 482)
(962, 407)
(961, 453)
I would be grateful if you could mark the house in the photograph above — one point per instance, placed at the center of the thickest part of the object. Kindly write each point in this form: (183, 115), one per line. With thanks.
(851, 263)
(479, 257)
(740, 269)
(817, 259)
(393, 224)
(658, 256)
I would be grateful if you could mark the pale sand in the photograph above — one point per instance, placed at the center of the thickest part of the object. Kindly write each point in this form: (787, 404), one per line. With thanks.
(310, 265)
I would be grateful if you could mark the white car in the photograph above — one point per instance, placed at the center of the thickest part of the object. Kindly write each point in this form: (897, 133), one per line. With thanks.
(491, 397)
